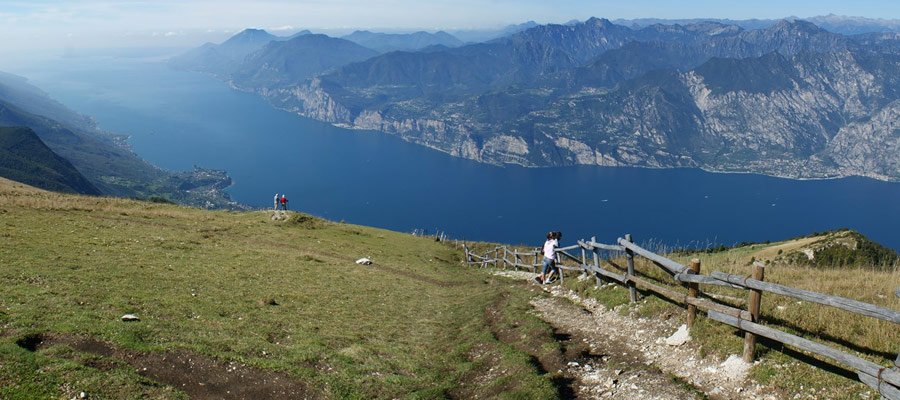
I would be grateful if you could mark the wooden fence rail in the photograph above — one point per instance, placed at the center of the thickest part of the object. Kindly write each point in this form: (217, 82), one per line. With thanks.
(842, 303)
(885, 380)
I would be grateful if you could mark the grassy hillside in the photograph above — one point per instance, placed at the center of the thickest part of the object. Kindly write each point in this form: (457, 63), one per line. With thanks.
(277, 301)
(25, 158)
(789, 373)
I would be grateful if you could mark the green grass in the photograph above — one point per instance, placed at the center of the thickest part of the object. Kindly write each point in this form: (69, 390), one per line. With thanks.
(782, 369)
(202, 282)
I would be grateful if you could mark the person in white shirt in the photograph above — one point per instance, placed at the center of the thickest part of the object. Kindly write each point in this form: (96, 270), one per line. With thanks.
(276, 201)
(549, 251)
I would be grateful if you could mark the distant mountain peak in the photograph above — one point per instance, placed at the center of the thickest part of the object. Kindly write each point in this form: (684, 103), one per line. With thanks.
(794, 24)
(253, 32)
(249, 37)
(598, 22)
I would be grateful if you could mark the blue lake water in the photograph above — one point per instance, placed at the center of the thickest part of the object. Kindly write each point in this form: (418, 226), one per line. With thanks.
(179, 119)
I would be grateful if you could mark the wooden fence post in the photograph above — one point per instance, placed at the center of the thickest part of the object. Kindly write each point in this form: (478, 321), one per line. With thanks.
(629, 257)
(596, 253)
(759, 273)
(694, 292)
(558, 269)
(535, 265)
(516, 259)
(466, 249)
(583, 257)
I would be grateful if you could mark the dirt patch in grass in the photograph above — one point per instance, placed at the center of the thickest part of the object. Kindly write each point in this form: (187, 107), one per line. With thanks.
(199, 376)
(545, 359)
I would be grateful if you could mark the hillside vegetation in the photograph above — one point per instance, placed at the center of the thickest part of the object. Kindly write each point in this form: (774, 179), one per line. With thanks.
(25, 158)
(282, 303)
(789, 373)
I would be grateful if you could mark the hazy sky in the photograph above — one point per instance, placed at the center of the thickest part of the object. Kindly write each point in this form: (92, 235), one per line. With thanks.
(79, 24)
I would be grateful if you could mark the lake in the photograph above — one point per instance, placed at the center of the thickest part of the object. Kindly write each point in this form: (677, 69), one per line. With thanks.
(180, 119)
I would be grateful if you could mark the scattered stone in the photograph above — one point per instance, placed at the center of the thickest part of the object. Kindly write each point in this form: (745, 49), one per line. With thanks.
(80, 396)
(680, 337)
(364, 261)
(573, 364)
(279, 215)
(130, 318)
(735, 368)
(618, 372)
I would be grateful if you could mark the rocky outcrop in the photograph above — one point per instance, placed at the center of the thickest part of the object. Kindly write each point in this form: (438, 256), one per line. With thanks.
(869, 147)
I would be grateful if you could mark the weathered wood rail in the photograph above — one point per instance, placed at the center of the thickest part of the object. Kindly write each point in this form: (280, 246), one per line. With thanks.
(884, 379)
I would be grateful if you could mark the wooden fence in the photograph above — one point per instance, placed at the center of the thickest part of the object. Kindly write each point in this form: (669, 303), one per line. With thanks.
(885, 380)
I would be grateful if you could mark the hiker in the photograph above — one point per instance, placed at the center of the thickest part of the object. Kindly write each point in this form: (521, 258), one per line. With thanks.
(549, 251)
(553, 268)
(276, 201)
(284, 203)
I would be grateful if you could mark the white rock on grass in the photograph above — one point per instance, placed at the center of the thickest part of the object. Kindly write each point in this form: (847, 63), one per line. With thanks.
(364, 261)
(680, 337)
(735, 368)
(130, 317)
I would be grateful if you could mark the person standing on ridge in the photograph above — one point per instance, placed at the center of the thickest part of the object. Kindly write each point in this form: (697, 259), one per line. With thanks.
(284, 203)
(276, 201)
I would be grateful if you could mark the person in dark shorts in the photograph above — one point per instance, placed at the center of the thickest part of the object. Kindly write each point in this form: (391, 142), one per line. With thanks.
(549, 260)
(549, 277)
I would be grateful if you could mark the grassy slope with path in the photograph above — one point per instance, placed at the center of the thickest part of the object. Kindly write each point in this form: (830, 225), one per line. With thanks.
(237, 287)
(787, 372)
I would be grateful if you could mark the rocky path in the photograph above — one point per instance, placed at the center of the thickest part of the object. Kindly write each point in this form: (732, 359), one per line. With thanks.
(628, 357)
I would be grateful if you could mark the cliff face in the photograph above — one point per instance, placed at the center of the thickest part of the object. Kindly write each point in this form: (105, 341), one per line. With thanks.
(790, 100)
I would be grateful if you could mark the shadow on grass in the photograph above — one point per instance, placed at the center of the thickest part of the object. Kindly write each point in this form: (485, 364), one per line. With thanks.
(775, 346)
(827, 338)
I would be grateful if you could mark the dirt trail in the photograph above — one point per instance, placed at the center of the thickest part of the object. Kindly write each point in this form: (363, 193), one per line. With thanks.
(199, 376)
(629, 358)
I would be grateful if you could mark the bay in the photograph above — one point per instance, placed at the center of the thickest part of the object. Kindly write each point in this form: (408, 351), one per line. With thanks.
(180, 119)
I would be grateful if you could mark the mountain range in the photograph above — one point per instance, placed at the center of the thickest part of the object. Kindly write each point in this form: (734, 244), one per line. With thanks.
(831, 22)
(387, 42)
(790, 99)
(254, 55)
(50, 146)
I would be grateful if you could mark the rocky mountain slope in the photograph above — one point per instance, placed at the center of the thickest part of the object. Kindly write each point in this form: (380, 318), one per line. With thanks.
(790, 100)
(288, 62)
